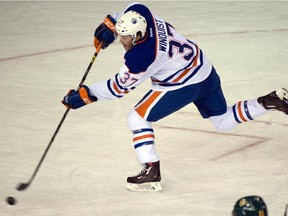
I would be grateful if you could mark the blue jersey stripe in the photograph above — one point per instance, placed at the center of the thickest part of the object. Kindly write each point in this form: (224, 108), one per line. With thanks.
(170, 77)
(111, 90)
(187, 78)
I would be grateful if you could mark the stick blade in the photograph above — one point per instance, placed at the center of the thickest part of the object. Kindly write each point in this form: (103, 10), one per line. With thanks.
(22, 186)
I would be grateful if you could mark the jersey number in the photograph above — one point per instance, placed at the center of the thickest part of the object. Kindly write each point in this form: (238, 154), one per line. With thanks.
(175, 47)
(127, 78)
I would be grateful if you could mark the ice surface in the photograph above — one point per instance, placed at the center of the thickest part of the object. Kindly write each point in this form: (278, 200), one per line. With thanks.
(45, 50)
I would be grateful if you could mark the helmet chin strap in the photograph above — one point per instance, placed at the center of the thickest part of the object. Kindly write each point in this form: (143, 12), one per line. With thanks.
(134, 39)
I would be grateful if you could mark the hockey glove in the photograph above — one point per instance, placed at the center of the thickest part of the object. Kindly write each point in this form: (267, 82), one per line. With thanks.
(105, 32)
(76, 99)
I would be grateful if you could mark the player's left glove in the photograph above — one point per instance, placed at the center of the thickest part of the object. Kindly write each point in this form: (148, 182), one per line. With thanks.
(76, 99)
(105, 32)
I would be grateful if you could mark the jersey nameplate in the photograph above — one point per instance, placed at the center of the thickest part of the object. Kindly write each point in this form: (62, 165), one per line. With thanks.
(162, 35)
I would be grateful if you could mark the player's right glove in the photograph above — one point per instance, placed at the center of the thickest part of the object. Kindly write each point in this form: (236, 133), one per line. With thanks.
(105, 32)
(76, 99)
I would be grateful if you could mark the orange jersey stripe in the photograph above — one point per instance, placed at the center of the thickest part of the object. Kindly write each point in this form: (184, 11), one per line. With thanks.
(141, 110)
(195, 62)
(116, 88)
(182, 75)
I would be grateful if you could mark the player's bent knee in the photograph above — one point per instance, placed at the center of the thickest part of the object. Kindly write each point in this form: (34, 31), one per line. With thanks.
(136, 122)
(223, 122)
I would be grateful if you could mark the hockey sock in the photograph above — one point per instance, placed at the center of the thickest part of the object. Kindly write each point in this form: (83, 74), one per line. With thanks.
(242, 111)
(247, 110)
(143, 141)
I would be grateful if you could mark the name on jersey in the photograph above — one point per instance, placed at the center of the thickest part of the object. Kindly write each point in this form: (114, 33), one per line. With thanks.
(162, 35)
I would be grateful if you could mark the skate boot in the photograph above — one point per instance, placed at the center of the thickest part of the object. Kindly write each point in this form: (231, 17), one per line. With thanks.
(276, 100)
(147, 180)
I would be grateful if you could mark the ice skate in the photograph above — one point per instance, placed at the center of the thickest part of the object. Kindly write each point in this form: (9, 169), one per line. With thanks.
(276, 100)
(147, 180)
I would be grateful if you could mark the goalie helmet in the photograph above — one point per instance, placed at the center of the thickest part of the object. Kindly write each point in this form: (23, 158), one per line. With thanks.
(131, 23)
(250, 206)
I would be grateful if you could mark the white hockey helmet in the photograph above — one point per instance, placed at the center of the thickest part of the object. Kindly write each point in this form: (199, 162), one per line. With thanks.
(131, 23)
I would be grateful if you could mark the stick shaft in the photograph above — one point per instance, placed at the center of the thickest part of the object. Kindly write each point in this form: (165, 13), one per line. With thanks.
(24, 186)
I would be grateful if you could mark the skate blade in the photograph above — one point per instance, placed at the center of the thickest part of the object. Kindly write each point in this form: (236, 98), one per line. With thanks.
(282, 94)
(151, 186)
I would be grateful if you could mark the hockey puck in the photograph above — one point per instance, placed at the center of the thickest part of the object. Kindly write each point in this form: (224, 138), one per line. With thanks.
(11, 200)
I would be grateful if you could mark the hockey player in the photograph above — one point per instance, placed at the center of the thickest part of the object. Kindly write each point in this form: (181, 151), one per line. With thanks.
(180, 74)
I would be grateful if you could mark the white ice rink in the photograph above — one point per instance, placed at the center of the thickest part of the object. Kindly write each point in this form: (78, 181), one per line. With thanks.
(45, 50)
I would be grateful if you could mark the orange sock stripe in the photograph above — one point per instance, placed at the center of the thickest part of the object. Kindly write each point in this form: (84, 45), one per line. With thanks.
(143, 137)
(240, 112)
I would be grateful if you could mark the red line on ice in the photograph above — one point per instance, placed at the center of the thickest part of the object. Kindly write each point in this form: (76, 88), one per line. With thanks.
(43, 53)
(228, 153)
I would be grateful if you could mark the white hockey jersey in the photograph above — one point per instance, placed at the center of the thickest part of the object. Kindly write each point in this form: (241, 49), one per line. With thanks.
(163, 55)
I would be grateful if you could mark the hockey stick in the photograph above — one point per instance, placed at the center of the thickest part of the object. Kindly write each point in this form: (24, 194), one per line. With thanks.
(23, 186)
